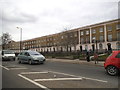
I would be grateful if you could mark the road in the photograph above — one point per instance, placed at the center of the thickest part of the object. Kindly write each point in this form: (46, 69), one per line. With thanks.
(53, 75)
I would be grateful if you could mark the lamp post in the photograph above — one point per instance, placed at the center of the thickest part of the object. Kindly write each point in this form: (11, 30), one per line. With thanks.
(20, 37)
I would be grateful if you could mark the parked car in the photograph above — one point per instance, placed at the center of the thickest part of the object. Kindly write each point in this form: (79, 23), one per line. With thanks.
(8, 55)
(31, 57)
(112, 63)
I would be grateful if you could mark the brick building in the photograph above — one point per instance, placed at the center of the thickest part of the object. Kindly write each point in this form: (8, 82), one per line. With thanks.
(100, 36)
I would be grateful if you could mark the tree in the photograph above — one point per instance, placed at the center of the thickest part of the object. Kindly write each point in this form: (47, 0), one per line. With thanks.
(6, 38)
(68, 39)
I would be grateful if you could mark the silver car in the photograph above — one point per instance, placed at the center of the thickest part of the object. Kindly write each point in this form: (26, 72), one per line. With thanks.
(31, 57)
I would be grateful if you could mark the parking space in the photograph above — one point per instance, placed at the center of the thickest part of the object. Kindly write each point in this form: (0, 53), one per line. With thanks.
(47, 79)
(50, 79)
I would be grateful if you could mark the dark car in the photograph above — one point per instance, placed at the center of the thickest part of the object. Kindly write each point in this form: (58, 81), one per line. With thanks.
(112, 63)
(31, 57)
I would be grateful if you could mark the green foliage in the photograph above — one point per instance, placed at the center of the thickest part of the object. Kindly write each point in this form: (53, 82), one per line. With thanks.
(101, 57)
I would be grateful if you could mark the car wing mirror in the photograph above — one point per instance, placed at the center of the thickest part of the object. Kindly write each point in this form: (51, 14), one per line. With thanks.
(28, 54)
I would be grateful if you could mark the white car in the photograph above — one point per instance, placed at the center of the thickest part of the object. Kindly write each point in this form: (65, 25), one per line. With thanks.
(8, 55)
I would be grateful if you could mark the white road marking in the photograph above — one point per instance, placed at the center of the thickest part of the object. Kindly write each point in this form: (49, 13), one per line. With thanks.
(57, 79)
(4, 67)
(79, 76)
(95, 79)
(17, 68)
(37, 84)
(65, 74)
(33, 72)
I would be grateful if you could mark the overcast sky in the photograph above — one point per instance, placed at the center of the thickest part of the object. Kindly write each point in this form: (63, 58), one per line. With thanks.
(43, 17)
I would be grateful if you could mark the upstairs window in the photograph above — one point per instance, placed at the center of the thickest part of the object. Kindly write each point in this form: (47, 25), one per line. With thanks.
(101, 29)
(101, 38)
(118, 26)
(87, 32)
(109, 28)
(87, 40)
(75, 35)
(110, 37)
(82, 33)
(94, 38)
(93, 31)
(82, 40)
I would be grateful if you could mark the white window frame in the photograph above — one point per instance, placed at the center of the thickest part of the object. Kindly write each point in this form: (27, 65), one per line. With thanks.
(81, 33)
(87, 32)
(94, 38)
(62, 37)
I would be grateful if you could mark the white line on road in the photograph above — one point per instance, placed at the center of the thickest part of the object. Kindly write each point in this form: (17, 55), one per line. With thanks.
(95, 79)
(37, 84)
(79, 76)
(57, 79)
(4, 67)
(17, 68)
(33, 72)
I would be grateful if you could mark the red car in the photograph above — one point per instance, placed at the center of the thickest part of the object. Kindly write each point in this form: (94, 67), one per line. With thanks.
(112, 63)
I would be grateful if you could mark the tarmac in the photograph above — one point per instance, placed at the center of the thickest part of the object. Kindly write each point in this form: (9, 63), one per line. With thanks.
(77, 61)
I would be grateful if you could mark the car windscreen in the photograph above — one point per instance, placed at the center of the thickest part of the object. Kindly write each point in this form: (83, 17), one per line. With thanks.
(34, 53)
(8, 52)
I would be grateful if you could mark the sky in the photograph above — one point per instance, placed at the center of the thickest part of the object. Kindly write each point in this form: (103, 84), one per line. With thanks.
(38, 18)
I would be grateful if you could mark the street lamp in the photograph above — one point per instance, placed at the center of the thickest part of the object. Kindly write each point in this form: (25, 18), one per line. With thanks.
(20, 37)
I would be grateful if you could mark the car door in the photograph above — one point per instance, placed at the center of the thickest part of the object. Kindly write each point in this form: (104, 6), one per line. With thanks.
(26, 56)
(118, 60)
(20, 56)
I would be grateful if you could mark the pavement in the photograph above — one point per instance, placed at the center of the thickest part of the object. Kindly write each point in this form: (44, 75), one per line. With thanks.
(77, 61)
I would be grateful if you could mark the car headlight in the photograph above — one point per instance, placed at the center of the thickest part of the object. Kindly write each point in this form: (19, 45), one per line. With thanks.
(35, 58)
(3, 56)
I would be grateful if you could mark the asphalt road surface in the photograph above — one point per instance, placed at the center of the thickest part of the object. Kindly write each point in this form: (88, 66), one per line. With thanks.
(54, 75)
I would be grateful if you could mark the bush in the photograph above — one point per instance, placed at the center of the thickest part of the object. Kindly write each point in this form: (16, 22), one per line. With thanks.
(75, 56)
(82, 57)
(101, 58)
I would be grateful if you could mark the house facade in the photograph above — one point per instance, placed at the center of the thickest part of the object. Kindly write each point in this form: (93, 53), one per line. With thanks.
(100, 36)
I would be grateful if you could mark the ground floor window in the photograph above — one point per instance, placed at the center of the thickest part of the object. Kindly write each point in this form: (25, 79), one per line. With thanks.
(118, 45)
(86, 47)
(100, 46)
(118, 36)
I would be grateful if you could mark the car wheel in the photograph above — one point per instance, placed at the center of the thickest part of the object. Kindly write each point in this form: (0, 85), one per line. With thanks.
(112, 70)
(19, 62)
(30, 62)
(13, 59)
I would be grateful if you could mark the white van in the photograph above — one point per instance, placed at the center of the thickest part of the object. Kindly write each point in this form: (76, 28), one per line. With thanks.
(8, 55)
